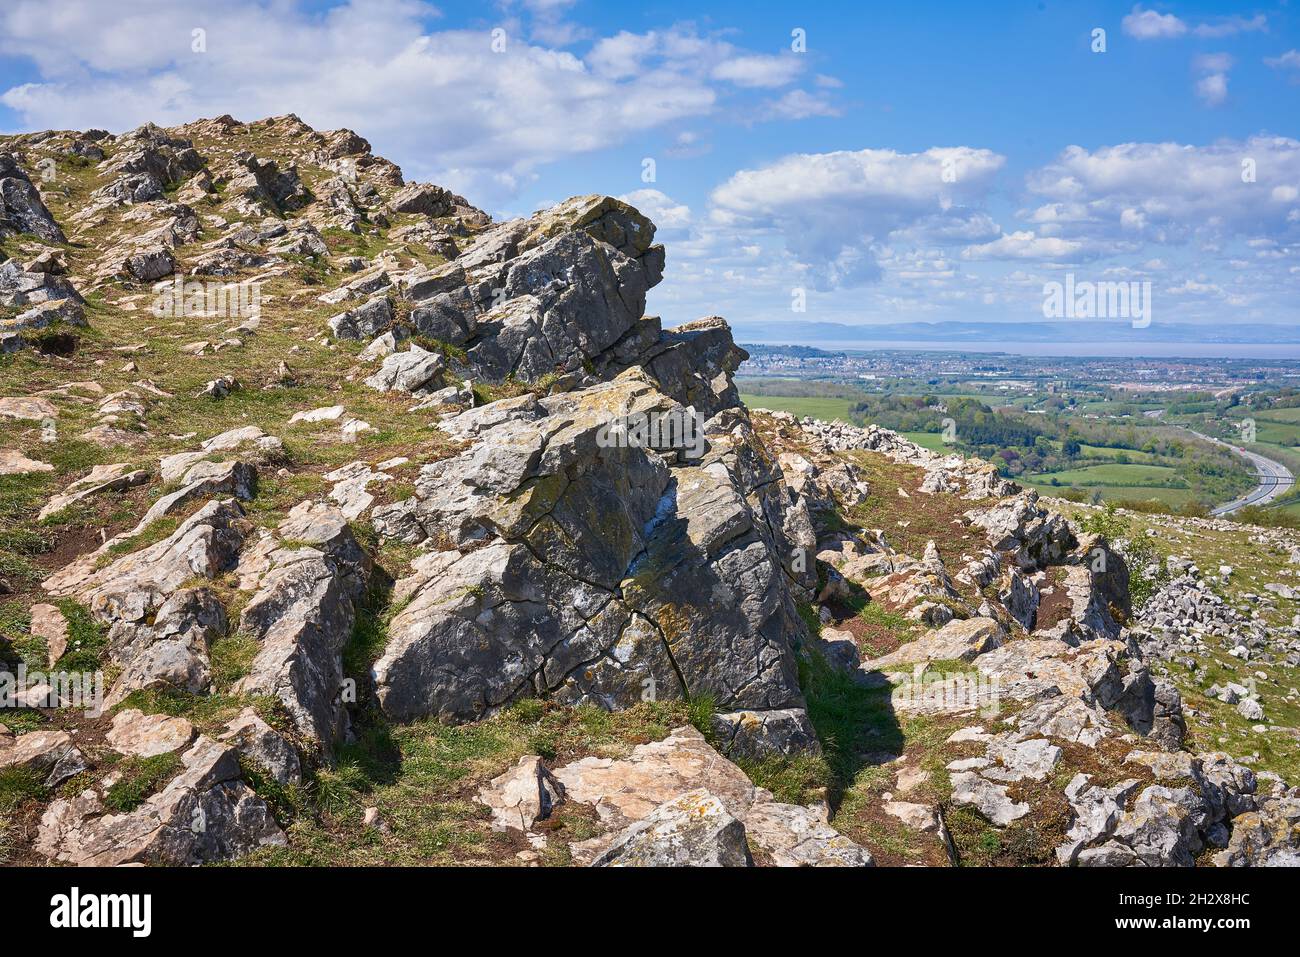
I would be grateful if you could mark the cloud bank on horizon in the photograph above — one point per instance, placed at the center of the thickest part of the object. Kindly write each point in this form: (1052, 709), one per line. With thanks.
(931, 164)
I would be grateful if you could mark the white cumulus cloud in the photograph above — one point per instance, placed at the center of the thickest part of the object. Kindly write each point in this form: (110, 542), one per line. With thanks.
(835, 211)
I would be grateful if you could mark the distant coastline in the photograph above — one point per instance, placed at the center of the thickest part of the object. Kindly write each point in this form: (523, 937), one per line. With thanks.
(1087, 339)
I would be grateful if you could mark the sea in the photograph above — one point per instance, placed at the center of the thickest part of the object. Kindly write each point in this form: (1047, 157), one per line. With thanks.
(1109, 350)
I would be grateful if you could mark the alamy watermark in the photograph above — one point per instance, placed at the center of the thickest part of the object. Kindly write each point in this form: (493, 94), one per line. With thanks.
(62, 689)
(928, 691)
(659, 430)
(176, 299)
(1098, 300)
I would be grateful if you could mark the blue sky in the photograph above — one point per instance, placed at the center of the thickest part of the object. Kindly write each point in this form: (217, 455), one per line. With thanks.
(916, 162)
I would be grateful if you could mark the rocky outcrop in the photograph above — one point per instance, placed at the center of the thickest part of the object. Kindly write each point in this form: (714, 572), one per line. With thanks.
(258, 186)
(263, 746)
(561, 292)
(617, 531)
(1266, 837)
(50, 755)
(147, 160)
(1167, 824)
(522, 796)
(673, 802)
(961, 640)
(308, 576)
(100, 480)
(692, 830)
(20, 287)
(587, 564)
(416, 371)
(160, 628)
(140, 735)
(204, 814)
(1033, 536)
(21, 207)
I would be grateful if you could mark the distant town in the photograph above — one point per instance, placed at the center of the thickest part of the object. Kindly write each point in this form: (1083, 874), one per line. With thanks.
(1194, 435)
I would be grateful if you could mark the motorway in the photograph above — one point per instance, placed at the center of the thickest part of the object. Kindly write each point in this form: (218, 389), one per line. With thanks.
(1274, 478)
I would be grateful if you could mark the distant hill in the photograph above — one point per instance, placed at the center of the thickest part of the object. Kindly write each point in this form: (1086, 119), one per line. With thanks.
(985, 332)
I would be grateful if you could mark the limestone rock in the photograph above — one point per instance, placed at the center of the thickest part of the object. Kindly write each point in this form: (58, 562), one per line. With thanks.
(626, 791)
(959, 640)
(692, 830)
(416, 371)
(21, 208)
(1269, 837)
(45, 753)
(308, 576)
(265, 747)
(145, 735)
(204, 814)
(584, 567)
(50, 626)
(100, 480)
(522, 796)
(15, 463)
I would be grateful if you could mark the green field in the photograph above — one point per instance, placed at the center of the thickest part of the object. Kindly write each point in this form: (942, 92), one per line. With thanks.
(1283, 433)
(1115, 493)
(1287, 455)
(928, 440)
(1111, 407)
(1135, 456)
(1292, 509)
(1115, 475)
(825, 409)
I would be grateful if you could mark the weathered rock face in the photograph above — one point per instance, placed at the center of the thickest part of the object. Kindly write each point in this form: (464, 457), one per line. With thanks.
(100, 480)
(1168, 823)
(160, 632)
(1267, 837)
(19, 287)
(49, 754)
(308, 577)
(265, 747)
(1033, 535)
(363, 322)
(21, 207)
(524, 795)
(134, 586)
(692, 830)
(146, 735)
(559, 292)
(146, 162)
(647, 786)
(618, 533)
(416, 371)
(422, 198)
(961, 640)
(262, 187)
(583, 567)
(204, 814)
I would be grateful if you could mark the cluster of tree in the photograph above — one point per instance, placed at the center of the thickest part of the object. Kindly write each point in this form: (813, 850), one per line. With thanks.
(1022, 444)
(795, 352)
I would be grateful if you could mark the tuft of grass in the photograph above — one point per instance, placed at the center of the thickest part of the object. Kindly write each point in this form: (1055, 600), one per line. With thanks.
(18, 786)
(699, 712)
(140, 778)
(87, 638)
(232, 658)
(152, 534)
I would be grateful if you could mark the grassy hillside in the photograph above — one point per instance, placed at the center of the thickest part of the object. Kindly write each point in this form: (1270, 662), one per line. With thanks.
(827, 409)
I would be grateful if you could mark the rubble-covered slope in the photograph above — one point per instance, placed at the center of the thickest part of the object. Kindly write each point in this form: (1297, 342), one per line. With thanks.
(398, 535)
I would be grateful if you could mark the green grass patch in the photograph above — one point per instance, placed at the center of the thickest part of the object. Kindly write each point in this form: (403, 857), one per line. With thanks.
(138, 778)
(825, 409)
(18, 786)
